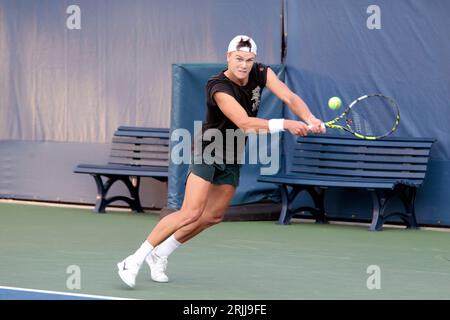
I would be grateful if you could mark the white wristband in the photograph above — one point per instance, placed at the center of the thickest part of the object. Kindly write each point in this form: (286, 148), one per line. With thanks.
(276, 125)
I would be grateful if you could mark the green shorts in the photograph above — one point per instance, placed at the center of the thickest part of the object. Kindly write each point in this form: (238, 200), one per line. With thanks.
(217, 174)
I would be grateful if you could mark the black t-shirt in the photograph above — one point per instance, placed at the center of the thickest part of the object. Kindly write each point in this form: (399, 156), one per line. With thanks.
(248, 96)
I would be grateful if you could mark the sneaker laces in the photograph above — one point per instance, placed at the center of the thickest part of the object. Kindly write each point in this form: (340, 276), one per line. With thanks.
(160, 263)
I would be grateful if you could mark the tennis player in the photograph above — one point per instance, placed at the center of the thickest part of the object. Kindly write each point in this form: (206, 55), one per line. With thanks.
(233, 98)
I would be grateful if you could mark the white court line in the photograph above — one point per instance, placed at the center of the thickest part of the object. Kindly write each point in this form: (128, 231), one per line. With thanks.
(58, 204)
(64, 293)
(41, 203)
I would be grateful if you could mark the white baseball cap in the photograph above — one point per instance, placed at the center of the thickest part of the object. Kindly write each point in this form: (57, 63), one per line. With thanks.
(233, 46)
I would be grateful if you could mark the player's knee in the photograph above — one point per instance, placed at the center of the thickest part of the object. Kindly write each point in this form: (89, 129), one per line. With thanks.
(212, 220)
(192, 215)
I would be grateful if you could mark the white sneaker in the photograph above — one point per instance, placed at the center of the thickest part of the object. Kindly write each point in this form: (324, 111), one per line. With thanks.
(158, 266)
(128, 270)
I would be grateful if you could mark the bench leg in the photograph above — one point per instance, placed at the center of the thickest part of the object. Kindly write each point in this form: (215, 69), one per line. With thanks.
(380, 202)
(378, 205)
(284, 216)
(133, 187)
(319, 202)
(287, 200)
(408, 198)
(103, 187)
(100, 204)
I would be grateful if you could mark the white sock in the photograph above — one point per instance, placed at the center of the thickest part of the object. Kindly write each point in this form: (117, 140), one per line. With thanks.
(142, 252)
(167, 247)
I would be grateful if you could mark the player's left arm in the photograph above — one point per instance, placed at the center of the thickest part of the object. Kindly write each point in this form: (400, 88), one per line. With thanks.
(292, 100)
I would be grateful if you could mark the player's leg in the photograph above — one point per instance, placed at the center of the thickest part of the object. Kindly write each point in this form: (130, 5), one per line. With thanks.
(218, 201)
(195, 200)
(224, 183)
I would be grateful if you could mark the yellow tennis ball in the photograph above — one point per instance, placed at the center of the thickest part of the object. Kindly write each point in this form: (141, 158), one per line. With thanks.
(334, 103)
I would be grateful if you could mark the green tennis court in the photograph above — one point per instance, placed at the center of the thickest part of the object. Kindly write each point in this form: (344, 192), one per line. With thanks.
(233, 260)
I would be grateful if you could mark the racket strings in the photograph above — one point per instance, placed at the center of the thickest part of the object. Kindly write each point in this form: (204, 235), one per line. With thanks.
(374, 116)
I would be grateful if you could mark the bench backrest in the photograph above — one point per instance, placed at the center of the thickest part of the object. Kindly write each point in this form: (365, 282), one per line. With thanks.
(140, 146)
(402, 160)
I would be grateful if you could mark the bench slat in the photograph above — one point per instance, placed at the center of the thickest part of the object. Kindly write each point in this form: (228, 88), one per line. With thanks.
(362, 150)
(361, 157)
(359, 165)
(306, 179)
(129, 140)
(139, 162)
(399, 142)
(314, 181)
(145, 129)
(358, 173)
(139, 155)
(140, 147)
(147, 171)
(155, 134)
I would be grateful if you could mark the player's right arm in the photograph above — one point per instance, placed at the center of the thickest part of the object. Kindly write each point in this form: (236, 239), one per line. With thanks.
(236, 113)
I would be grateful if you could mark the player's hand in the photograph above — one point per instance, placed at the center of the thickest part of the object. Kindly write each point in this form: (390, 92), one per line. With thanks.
(298, 128)
(316, 125)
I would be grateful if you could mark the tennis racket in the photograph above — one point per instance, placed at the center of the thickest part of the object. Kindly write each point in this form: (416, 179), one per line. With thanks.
(372, 116)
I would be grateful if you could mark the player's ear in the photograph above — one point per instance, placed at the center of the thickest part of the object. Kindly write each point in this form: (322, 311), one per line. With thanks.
(228, 57)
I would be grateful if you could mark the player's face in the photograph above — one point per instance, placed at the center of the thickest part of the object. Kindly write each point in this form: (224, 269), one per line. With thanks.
(240, 63)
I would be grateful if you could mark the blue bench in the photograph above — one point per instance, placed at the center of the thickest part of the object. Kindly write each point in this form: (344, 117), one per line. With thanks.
(389, 168)
(135, 152)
